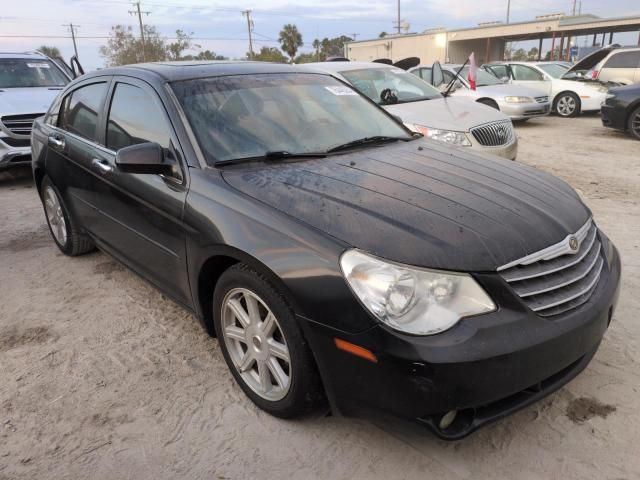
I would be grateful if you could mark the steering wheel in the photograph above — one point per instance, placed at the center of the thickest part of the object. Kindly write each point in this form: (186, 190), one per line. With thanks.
(389, 96)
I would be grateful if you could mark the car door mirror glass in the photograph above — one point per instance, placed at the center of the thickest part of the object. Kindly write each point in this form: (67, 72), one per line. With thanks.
(143, 158)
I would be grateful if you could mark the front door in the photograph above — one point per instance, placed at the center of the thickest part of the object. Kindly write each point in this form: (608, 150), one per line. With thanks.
(141, 214)
(530, 77)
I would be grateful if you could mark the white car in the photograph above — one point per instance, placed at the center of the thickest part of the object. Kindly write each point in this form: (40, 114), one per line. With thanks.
(422, 108)
(568, 97)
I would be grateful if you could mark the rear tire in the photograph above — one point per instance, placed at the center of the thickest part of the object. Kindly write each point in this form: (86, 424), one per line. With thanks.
(567, 104)
(63, 228)
(272, 364)
(633, 124)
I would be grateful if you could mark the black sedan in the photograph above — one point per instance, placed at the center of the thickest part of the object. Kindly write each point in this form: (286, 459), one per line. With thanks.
(337, 257)
(622, 110)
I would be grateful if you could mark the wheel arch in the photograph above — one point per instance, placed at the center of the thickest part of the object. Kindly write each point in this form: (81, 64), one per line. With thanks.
(486, 100)
(630, 109)
(216, 261)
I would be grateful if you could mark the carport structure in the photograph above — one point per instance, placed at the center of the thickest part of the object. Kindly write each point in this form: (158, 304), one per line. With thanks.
(488, 41)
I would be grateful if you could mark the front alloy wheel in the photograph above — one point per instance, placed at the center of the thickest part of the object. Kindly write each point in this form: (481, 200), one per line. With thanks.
(256, 344)
(55, 215)
(634, 123)
(568, 105)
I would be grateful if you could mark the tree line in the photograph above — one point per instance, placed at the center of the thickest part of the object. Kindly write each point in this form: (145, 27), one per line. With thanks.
(124, 47)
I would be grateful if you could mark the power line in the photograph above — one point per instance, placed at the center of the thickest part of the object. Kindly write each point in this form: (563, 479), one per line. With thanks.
(133, 12)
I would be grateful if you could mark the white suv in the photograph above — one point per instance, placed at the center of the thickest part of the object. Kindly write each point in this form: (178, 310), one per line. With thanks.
(28, 84)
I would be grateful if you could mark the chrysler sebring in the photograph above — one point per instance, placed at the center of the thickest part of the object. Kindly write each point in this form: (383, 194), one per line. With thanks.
(339, 258)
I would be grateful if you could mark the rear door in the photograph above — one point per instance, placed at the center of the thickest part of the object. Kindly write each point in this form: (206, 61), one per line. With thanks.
(73, 142)
(141, 214)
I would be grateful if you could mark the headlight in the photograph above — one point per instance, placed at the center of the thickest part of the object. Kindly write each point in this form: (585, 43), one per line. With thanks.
(518, 99)
(446, 136)
(410, 299)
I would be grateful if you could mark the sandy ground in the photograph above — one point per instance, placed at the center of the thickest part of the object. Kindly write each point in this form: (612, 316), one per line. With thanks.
(102, 377)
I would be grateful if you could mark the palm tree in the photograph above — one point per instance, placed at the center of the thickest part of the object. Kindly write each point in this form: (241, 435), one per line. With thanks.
(316, 46)
(51, 52)
(290, 39)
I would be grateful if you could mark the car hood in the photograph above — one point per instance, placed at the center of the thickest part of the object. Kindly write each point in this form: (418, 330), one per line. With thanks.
(17, 101)
(508, 89)
(421, 204)
(446, 113)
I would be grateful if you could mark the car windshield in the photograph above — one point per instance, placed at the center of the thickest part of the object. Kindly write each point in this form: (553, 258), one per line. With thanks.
(390, 85)
(248, 116)
(483, 78)
(554, 70)
(22, 72)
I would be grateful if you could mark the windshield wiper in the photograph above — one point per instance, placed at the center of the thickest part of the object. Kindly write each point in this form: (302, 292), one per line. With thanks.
(377, 140)
(273, 155)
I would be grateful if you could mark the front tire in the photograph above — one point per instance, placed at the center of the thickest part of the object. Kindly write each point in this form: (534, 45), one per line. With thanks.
(633, 124)
(263, 346)
(62, 226)
(567, 104)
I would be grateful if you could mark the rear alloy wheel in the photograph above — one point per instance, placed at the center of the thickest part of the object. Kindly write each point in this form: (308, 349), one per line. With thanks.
(634, 123)
(567, 105)
(263, 345)
(62, 226)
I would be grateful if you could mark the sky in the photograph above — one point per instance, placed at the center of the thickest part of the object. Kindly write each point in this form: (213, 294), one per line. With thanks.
(219, 25)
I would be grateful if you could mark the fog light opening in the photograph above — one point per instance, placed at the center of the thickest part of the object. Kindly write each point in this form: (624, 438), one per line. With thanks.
(447, 419)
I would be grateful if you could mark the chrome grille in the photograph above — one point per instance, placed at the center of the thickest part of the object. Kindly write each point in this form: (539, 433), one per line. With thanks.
(543, 99)
(19, 125)
(558, 278)
(494, 134)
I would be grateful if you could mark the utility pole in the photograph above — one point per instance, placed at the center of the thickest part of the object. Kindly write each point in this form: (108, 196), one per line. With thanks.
(139, 13)
(247, 13)
(72, 29)
(355, 35)
(574, 8)
(398, 21)
(508, 9)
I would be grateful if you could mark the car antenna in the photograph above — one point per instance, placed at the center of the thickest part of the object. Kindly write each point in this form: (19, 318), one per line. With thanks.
(453, 80)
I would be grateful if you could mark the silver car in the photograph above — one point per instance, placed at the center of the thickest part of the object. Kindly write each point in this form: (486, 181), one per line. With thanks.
(515, 101)
(29, 82)
(422, 108)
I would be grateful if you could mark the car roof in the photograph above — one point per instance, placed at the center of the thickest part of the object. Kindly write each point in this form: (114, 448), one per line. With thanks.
(185, 70)
(25, 55)
(335, 67)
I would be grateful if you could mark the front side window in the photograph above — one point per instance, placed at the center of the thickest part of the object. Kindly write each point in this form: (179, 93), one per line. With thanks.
(80, 110)
(624, 60)
(500, 71)
(135, 117)
(25, 73)
(375, 82)
(525, 73)
(483, 78)
(247, 116)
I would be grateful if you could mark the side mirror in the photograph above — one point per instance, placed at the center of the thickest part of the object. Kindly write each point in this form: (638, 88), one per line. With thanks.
(143, 158)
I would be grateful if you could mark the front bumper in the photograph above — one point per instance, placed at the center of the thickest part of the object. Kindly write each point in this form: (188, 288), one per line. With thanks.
(485, 367)
(521, 111)
(509, 151)
(13, 156)
(613, 117)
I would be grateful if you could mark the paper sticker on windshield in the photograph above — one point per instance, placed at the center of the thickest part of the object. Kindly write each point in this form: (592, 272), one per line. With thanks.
(38, 65)
(341, 90)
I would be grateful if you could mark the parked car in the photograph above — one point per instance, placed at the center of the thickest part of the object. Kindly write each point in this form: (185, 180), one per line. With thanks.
(568, 97)
(515, 101)
(622, 110)
(424, 109)
(335, 254)
(613, 64)
(28, 84)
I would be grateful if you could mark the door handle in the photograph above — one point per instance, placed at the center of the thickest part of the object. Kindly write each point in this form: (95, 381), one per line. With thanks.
(102, 165)
(56, 142)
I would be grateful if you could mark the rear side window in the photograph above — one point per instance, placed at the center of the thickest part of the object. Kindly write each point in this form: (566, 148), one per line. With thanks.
(425, 74)
(623, 60)
(80, 110)
(135, 117)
